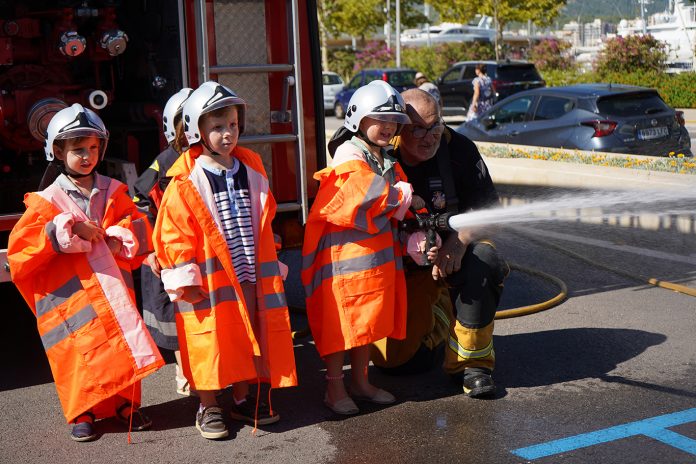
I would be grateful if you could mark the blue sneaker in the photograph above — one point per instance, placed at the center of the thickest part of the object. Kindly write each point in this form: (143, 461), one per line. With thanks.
(84, 431)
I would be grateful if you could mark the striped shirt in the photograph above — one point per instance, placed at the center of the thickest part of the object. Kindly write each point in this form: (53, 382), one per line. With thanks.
(231, 193)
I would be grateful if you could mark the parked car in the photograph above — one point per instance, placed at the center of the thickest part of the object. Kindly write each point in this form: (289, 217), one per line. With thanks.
(332, 84)
(601, 117)
(399, 78)
(509, 77)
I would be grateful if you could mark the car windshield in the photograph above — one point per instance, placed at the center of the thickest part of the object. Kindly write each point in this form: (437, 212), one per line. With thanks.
(401, 78)
(631, 104)
(330, 79)
(525, 72)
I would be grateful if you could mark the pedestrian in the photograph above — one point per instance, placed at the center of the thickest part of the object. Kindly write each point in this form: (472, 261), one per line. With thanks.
(457, 311)
(71, 256)
(214, 241)
(423, 83)
(484, 95)
(352, 269)
(158, 310)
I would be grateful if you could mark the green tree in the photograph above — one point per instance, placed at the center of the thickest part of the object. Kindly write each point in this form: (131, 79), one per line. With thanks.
(540, 12)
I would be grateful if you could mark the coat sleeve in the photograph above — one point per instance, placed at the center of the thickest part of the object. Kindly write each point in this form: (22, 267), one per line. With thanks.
(129, 225)
(175, 241)
(362, 200)
(30, 248)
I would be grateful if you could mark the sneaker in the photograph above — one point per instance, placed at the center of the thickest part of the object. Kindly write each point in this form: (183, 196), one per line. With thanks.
(84, 431)
(210, 423)
(478, 384)
(140, 421)
(246, 412)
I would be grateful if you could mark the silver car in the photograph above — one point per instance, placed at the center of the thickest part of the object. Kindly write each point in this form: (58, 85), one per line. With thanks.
(599, 117)
(332, 84)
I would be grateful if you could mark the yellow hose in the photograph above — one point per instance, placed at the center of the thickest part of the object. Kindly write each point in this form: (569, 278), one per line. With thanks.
(535, 308)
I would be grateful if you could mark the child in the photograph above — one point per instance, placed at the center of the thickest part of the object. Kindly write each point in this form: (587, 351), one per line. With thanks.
(158, 310)
(71, 256)
(352, 267)
(214, 241)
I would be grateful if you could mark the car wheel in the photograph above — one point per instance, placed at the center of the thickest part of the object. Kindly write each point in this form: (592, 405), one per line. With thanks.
(339, 112)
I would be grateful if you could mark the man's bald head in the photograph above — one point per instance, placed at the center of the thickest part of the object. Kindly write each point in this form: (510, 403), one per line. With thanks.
(424, 112)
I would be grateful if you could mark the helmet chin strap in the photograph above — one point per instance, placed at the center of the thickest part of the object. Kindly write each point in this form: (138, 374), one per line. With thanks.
(207, 147)
(366, 139)
(75, 175)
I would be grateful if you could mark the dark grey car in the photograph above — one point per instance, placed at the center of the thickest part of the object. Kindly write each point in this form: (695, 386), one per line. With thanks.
(600, 117)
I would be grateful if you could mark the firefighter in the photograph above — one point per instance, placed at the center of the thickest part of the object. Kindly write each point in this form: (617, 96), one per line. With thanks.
(458, 309)
(158, 310)
(352, 265)
(71, 256)
(214, 241)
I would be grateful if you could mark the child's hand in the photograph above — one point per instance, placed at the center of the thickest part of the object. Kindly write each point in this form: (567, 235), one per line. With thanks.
(432, 253)
(154, 264)
(194, 294)
(114, 244)
(417, 203)
(88, 231)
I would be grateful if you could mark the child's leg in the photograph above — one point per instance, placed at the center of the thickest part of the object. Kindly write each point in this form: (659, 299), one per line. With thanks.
(359, 359)
(207, 397)
(335, 388)
(360, 386)
(240, 391)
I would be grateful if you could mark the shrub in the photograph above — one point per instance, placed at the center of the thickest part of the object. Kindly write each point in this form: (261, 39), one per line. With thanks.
(433, 61)
(374, 55)
(341, 62)
(631, 54)
(551, 54)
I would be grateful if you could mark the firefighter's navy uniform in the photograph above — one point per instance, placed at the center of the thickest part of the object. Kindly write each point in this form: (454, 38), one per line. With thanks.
(459, 312)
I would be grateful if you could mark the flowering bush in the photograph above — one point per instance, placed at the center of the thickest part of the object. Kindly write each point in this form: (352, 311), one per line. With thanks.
(374, 55)
(552, 54)
(631, 54)
(671, 162)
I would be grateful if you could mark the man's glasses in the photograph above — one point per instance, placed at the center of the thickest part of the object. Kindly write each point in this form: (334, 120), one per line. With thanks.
(420, 132)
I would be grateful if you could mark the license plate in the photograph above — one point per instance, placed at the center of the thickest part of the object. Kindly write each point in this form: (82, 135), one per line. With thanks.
(653, 133)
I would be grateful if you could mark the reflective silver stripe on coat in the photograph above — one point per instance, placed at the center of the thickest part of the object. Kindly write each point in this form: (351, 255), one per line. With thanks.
(70, 325)
(144, 242)
(270, 269)
(374, 192)
(210, 266)
(335, 238)
(275, 300)
(168, 329)
(349, 266)
(58, 297)
(218, 296)
(469, 354)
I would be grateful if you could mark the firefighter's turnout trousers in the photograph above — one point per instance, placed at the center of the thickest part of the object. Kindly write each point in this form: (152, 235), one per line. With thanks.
(457, 313)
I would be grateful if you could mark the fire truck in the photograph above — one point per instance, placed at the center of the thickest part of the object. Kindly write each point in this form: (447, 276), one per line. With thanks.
(125, 58)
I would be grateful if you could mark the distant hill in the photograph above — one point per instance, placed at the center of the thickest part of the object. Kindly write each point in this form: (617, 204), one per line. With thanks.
(607, 10)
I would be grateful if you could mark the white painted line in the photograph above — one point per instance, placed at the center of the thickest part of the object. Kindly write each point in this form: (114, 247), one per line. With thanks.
(611, 246)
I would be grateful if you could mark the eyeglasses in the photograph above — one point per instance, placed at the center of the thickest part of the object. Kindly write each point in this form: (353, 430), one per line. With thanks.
(420, 132)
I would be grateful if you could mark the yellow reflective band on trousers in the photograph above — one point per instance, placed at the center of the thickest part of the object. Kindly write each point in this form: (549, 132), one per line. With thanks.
(469, 348)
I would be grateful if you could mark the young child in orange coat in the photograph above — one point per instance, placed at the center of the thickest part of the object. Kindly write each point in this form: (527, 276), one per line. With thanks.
(71, 256)
(352, 258)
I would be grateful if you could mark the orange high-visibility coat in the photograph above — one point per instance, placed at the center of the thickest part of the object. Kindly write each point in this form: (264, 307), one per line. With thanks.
(220, 342)
(352, 268)
(96, 343)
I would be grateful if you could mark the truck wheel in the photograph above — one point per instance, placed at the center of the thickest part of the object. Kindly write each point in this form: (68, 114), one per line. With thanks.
(339, 111)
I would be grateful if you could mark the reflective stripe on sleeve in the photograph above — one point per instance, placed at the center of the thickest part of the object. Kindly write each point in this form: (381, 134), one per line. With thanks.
(374, 192)
(270, 269)
(275, 300)
(217, 296)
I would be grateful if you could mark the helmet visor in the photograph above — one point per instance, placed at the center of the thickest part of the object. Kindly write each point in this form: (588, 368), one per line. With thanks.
(399, 118)
(82, 132)
(224, 102)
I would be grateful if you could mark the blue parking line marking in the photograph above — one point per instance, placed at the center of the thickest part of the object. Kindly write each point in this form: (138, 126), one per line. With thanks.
(654, 427)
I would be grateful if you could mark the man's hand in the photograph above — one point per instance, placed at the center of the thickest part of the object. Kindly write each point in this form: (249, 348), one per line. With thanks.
(88, 231)
(449, 258)
(417, 203)
(154, 264)
(194, 294)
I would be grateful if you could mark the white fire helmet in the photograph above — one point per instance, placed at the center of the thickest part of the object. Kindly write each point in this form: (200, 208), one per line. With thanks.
(209, 97)
(377, 100)
(172, 109)
(75, 121)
